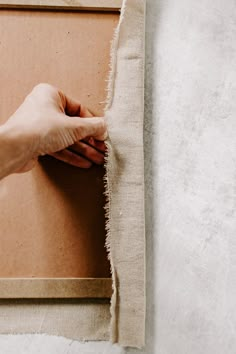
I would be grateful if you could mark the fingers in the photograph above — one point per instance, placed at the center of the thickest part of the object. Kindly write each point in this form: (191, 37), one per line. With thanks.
(71, 107)
(86, 127)
(88, 152)
(90, 126)
(74, 108)
(98, 145)
(85, 112)
(72, 159)
(94, 127)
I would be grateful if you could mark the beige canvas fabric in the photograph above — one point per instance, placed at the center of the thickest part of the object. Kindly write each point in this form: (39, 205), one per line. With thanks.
(71, 319)
(124, 320)
(125, 177)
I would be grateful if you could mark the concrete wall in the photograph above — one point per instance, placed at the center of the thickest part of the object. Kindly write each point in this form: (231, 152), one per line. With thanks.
(190, 146)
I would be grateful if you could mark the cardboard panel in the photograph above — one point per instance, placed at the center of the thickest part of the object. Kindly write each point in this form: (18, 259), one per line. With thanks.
(52, 219)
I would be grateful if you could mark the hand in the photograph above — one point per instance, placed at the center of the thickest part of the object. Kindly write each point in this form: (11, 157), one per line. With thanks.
(56, 125)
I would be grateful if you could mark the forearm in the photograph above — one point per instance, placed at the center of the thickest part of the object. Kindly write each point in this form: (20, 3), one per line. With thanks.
(15, 149)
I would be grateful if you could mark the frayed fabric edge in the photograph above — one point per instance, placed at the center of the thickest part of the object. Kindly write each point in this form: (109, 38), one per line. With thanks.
(108, 168)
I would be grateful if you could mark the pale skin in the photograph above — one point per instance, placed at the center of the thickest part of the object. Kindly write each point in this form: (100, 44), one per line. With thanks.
(50, 123)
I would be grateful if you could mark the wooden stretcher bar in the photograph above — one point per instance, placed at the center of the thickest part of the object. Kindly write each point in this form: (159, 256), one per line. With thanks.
(55, 288)
(65, 5)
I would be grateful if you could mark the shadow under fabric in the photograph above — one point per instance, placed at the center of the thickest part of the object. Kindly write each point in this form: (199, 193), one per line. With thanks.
(122, 321)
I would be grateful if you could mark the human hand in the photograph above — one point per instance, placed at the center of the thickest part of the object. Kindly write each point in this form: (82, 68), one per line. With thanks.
(56, 125)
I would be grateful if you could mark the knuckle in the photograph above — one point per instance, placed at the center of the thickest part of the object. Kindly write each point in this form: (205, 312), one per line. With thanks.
(103, 124)
(45, 88)
(84, 149)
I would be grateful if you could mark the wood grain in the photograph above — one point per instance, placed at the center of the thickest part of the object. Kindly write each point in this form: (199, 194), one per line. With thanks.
(57, 288)
(65, 5)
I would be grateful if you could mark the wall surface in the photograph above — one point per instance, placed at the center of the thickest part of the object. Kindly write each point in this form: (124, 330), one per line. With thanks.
(190, 148)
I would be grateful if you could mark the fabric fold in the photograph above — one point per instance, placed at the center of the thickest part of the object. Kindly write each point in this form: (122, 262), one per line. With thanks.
(125, 177)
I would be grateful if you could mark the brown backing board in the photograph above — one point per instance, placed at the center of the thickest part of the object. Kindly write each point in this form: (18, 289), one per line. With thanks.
(52, 219)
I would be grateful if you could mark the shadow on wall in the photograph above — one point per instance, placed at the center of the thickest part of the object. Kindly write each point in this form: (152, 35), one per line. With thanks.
(153, 14)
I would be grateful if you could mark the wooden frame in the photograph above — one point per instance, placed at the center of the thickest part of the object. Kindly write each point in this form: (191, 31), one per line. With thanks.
(58, 288)
(76, 5)
(52, 288)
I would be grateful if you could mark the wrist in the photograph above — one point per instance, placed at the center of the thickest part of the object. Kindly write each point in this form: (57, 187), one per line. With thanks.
(17, 148)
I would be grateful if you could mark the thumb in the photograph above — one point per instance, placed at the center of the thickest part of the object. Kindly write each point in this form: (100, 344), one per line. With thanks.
(88, 127)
